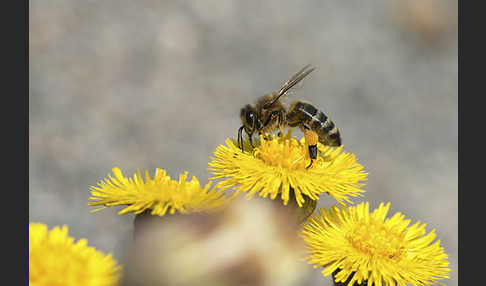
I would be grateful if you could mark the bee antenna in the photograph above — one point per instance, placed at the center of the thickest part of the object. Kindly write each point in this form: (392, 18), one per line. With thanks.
(295, 79)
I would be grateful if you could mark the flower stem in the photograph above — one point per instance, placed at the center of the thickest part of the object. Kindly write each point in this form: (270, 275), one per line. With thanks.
(307, 208)
(139, 220)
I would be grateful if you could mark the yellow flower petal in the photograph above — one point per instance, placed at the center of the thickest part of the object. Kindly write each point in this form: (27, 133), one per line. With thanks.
(55, 259)
(367, 246)
(160, 194)
(278, 166)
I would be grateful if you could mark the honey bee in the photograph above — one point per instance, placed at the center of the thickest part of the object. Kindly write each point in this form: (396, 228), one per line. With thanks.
(269, 114)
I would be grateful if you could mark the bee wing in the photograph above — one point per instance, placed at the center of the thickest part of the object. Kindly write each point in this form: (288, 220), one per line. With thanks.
(295, 79)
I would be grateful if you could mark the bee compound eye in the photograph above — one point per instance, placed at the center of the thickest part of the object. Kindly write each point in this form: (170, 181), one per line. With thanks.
(249, 117)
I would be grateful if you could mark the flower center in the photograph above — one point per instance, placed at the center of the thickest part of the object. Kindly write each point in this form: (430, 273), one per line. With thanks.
(375, 239)
(283, 152)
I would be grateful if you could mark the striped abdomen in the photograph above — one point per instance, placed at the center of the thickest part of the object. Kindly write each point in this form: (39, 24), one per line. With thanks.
(301, 113)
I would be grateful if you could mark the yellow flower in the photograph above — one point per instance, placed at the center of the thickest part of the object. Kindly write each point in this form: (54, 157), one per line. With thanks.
(361, 246)
(54, 259)
(278, 166)
(160, 194)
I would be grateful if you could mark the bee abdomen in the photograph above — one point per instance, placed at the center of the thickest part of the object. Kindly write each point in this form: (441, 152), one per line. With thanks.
(318, 121)
(326, 129)
(304, 112)
(329, 134)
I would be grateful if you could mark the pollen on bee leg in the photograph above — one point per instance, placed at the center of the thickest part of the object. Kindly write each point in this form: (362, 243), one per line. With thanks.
(311, 137)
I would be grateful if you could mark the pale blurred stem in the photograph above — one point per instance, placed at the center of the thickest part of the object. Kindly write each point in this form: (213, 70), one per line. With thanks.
(143, 218)
(364, 283)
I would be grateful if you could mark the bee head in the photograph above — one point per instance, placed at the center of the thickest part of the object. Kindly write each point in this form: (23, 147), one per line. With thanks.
(250, 119)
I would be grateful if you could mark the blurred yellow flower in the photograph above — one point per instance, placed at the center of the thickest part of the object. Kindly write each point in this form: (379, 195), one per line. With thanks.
(159, 195)
(54, 259)
(278, 166)
(362, 246)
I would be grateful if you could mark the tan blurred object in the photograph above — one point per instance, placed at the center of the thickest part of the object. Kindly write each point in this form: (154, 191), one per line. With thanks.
(251, 242)
(430, 20)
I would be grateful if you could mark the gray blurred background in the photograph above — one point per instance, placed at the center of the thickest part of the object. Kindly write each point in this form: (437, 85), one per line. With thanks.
(147, 84)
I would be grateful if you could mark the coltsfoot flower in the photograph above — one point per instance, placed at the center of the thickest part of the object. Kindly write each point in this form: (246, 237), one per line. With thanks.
(55, 259)
(278, 166)
(361, 246)
(158, 195)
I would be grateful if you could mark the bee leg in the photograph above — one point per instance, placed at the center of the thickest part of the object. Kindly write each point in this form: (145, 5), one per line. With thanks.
(270, 116)
(268, 119)
(280, 124)
(312, 154)
(306, 127)
(250, 136)
(311, 139)
(240, 137)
